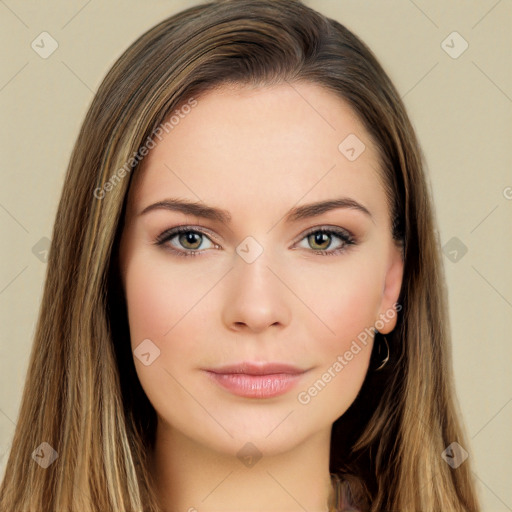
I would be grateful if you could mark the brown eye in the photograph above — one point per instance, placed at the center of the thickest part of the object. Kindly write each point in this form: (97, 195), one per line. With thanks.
(319, 241)
(185, 241)
(191, 240)
(325, 240)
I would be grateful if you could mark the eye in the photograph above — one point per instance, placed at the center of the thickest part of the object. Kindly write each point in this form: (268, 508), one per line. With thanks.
(327, 241)
(188, 241)
(185, 241)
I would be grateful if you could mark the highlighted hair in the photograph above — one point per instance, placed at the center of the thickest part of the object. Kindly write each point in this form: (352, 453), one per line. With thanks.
(82, 395)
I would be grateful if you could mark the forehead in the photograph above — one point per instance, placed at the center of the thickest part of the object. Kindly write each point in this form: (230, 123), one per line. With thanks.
(264, 145)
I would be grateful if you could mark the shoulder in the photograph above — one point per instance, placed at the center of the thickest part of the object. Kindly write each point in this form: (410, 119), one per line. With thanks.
(343, 493)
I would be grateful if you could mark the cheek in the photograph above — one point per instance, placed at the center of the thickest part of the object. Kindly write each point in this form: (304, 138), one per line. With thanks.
(348, 305)
(154, 312)
(342, 361)
(149, 305)
(166, 306)
(346, 299)
(162, 307)
(160, 296)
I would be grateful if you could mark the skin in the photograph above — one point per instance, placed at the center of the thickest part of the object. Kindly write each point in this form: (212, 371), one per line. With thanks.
(257, 153)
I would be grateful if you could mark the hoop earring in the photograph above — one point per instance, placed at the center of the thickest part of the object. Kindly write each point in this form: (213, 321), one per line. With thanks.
(386, 359)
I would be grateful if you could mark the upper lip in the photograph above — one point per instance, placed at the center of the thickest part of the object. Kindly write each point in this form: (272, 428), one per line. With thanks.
(254, 368)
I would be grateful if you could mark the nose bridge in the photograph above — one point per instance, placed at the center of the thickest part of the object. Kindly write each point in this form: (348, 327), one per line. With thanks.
(255, 298)
(251, 268)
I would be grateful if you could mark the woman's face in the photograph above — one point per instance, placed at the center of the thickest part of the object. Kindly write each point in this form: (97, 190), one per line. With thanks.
(253, 324)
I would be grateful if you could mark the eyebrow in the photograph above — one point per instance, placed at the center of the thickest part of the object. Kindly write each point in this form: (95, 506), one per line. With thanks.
(224, 217)
(190, 208)
(315, 209)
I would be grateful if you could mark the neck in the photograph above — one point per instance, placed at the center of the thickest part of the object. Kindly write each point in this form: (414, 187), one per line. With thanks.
(192, 477)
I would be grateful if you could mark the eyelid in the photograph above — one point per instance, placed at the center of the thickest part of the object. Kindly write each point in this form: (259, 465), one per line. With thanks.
(344, 234)
(347, 239)
(166, 236)
(183, 228)
(337, 230)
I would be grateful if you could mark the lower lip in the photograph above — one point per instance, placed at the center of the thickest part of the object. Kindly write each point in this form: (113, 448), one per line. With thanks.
(256, 386)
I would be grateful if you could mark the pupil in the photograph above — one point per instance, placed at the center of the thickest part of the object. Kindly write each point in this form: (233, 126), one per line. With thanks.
(321, 239)
(191, 238)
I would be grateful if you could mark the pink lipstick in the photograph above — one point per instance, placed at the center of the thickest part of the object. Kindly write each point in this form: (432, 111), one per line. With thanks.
(256, 380)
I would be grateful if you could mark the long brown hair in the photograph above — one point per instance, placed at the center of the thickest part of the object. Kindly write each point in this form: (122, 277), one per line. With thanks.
(82, 396)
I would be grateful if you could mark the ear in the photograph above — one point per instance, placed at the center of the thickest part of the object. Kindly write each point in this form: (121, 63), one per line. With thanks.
(391, 291)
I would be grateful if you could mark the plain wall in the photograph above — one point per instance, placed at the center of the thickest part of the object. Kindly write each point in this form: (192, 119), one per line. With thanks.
(462, 111)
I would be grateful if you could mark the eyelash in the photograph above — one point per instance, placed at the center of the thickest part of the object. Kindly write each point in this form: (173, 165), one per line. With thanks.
(345, 236)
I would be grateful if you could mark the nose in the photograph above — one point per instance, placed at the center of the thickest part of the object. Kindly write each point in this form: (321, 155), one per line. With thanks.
(254, 297)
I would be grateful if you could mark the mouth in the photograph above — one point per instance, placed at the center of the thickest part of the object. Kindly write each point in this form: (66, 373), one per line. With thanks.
(256, 380)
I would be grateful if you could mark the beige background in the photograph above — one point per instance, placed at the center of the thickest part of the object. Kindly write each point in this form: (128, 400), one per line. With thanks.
(461, 108)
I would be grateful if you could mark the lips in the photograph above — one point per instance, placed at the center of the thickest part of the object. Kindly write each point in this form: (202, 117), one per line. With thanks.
(250, 368)
(256, 380)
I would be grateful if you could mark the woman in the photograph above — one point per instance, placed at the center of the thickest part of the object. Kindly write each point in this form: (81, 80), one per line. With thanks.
(196, 348)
